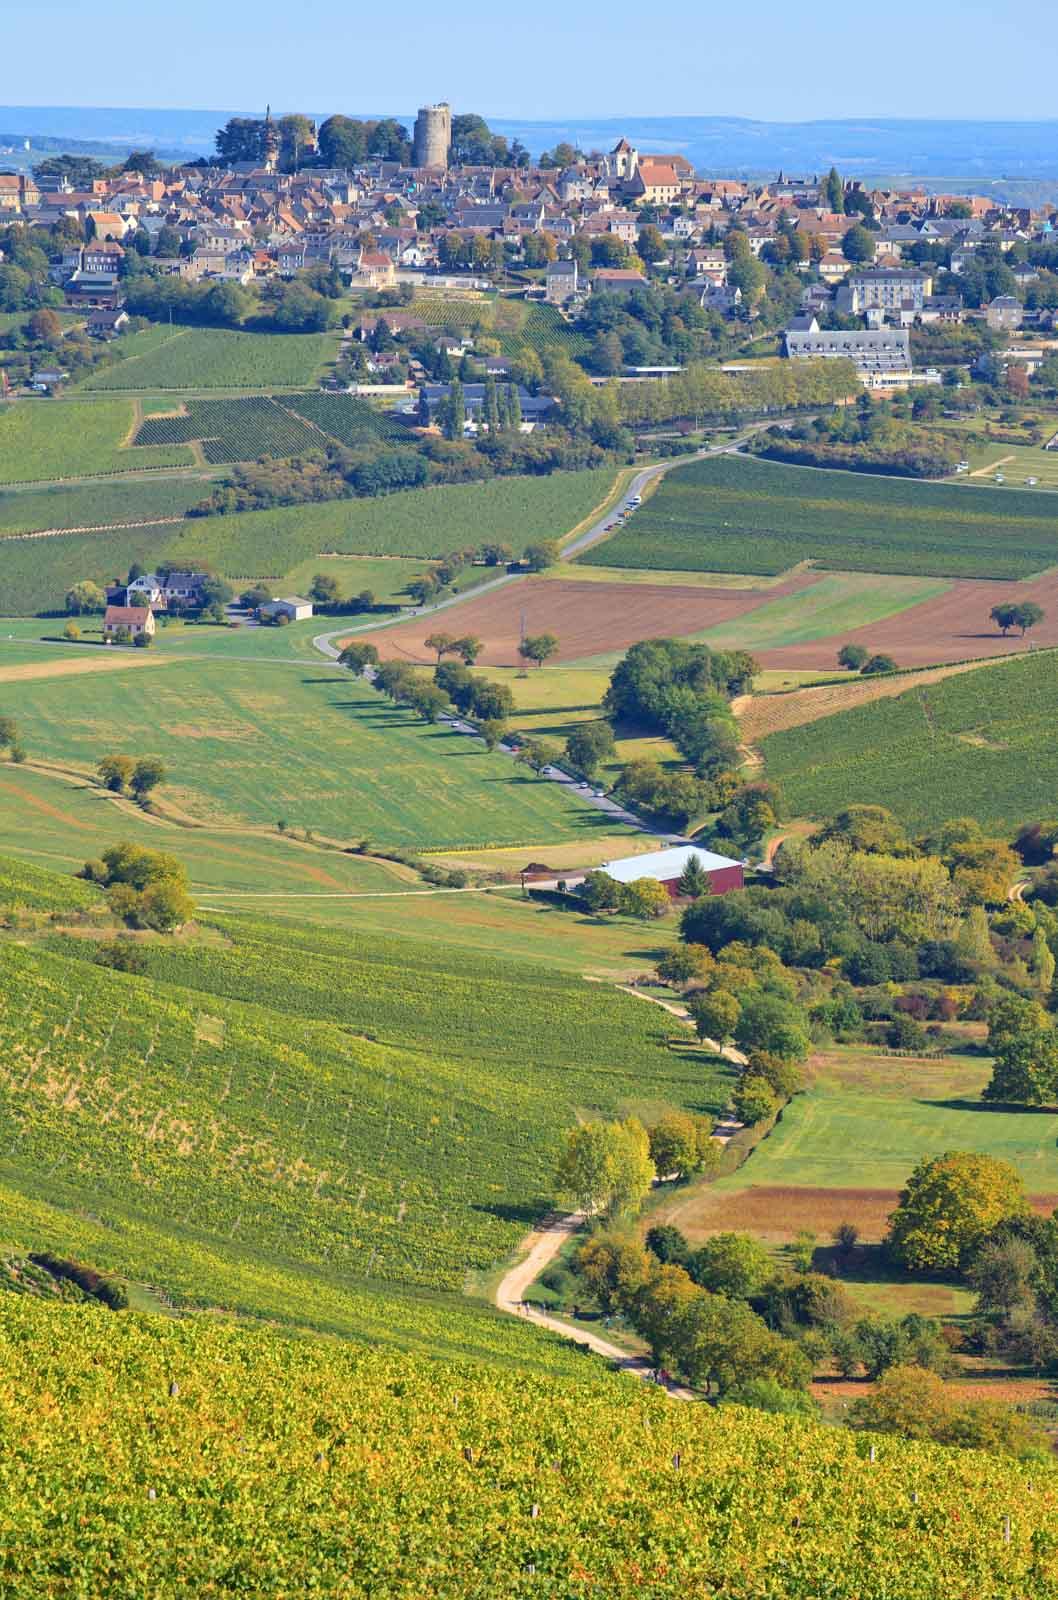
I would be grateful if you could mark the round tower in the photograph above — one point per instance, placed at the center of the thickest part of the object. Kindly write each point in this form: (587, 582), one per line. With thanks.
(433, 136)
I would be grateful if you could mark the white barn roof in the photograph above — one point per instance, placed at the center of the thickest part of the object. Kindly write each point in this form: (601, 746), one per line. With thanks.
(664, 864)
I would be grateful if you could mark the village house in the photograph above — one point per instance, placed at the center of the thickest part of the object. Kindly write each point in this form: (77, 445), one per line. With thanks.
(127, 622)
(561, 282)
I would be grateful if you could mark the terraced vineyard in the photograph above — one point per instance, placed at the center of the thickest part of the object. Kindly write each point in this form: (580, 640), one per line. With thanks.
(984, 736)
(733, 514)
(233, 430)
(235, 1461)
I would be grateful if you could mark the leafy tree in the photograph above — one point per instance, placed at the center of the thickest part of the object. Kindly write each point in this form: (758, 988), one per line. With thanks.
(650, 246)
(147, 774)
(1028, 615)
(646, 898)
(541, 555)
(676, 1145)
(876, 664)
(834, 192)
(871, 829)
(1023, 1044)
(853, 656)
(916, 1404)
(948, 1206)
(428, 700)
(492, 730)
(538, 754)
(734, 1264)
(769, 1023)
(115, 772)
(614, 1267)
(356, 656)
(468, 647)
(606, 1166)
(538, 647)
(1004, 1273)
(85, 597)
(668, 1243)
(684, 962)
(858, 244)
(754, 1100)
(324, 590)
(715, 1014)
(1042, 964)
(441, 643)
(165, 906)
(589, 745)
(600, 892)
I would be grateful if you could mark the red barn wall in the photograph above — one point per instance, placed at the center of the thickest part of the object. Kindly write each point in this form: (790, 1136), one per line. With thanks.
(721, 881)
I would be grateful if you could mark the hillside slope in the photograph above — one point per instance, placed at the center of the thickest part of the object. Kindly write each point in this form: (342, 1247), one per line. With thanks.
(200, 1458)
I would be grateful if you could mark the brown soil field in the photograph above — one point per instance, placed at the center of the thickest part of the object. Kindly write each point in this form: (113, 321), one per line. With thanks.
(954, 626)
(587, 618)
(778, 1212)
(759, 715)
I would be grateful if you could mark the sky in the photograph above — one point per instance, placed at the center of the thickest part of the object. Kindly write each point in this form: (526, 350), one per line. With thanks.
(543, 59)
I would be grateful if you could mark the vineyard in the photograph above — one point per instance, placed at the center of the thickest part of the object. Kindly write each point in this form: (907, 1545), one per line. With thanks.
(220, 358)
(53, 439)
(233, 430)
(201, 1458)
(739, 515)
(985, 736)
(97, 505)
(36, 574)
(351, 421)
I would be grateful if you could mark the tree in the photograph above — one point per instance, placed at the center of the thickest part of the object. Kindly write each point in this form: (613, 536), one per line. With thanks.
(834, 191)
(600, 892)
(715, 1014)
(115, 772)
(853, 656)
(468, 647)
(1028, 615)
(646, 898)
(606, 1166)
(85, 597)
(147, 774)
(734, 1264)
(538, 647)
(356, 656)
(44, 326)
(165, 906)
(428, 699)
(457, 411)
(754, 1100)
(1004, 616)
(589, 745)
(876, 664)
(1042, 963)
(858, 244)
(1023, 1044)
(539, 754)
(668, 1244)
(324, 590)
(441, 643)
(492, 730)
(650, 246)
(614, 1267)
(770, 1023)
(693, 881)
(948, 1206)
(675, 1145)
(542, 554)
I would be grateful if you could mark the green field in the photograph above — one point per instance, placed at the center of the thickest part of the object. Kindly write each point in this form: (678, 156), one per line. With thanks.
(97, 505)
(515, 323)
(867, 1121)
(52, 439)
(836, 604)
(741, 515)
(218, 358)
(35, 574)
(978, 744)
(221, 1460)
(315, 747)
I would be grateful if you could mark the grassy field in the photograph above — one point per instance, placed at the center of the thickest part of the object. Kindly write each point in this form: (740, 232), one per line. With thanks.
(218, 358)
(981, 743)
(741, 515)
(319, 749)
(98, 505)
(416, 523)
(52, 439)
(833, 606)
(57, 823)
(1015, 462)
(516, 324)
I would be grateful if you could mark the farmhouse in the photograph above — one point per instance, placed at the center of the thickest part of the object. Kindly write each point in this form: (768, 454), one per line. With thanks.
(120, 622)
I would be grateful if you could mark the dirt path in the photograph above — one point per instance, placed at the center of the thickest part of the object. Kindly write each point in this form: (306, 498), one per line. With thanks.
(728, 1051)
(1001, 461)
(541, 1247)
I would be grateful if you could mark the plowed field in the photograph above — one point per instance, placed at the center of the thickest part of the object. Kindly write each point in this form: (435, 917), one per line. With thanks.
(588, 619)
(950, 627)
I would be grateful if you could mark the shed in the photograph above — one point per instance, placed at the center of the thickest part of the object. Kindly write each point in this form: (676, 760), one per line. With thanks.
(723, 872)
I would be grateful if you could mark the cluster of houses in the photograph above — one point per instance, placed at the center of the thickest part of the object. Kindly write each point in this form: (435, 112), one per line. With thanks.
(132, 608)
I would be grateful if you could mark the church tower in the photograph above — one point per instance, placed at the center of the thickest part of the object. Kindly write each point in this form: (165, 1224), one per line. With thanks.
(270, 142)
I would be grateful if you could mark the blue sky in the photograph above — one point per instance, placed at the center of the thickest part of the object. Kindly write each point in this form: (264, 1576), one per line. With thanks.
(541, 59)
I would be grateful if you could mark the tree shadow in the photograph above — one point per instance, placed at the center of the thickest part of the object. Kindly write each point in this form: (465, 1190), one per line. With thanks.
(526, 1213)
(990, 1106)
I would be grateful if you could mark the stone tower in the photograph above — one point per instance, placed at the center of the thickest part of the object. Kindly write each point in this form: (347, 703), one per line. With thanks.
(433, 136)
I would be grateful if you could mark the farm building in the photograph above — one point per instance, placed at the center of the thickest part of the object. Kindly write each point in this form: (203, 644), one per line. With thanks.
(292, 608)
(666, 866)
(723, 872)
